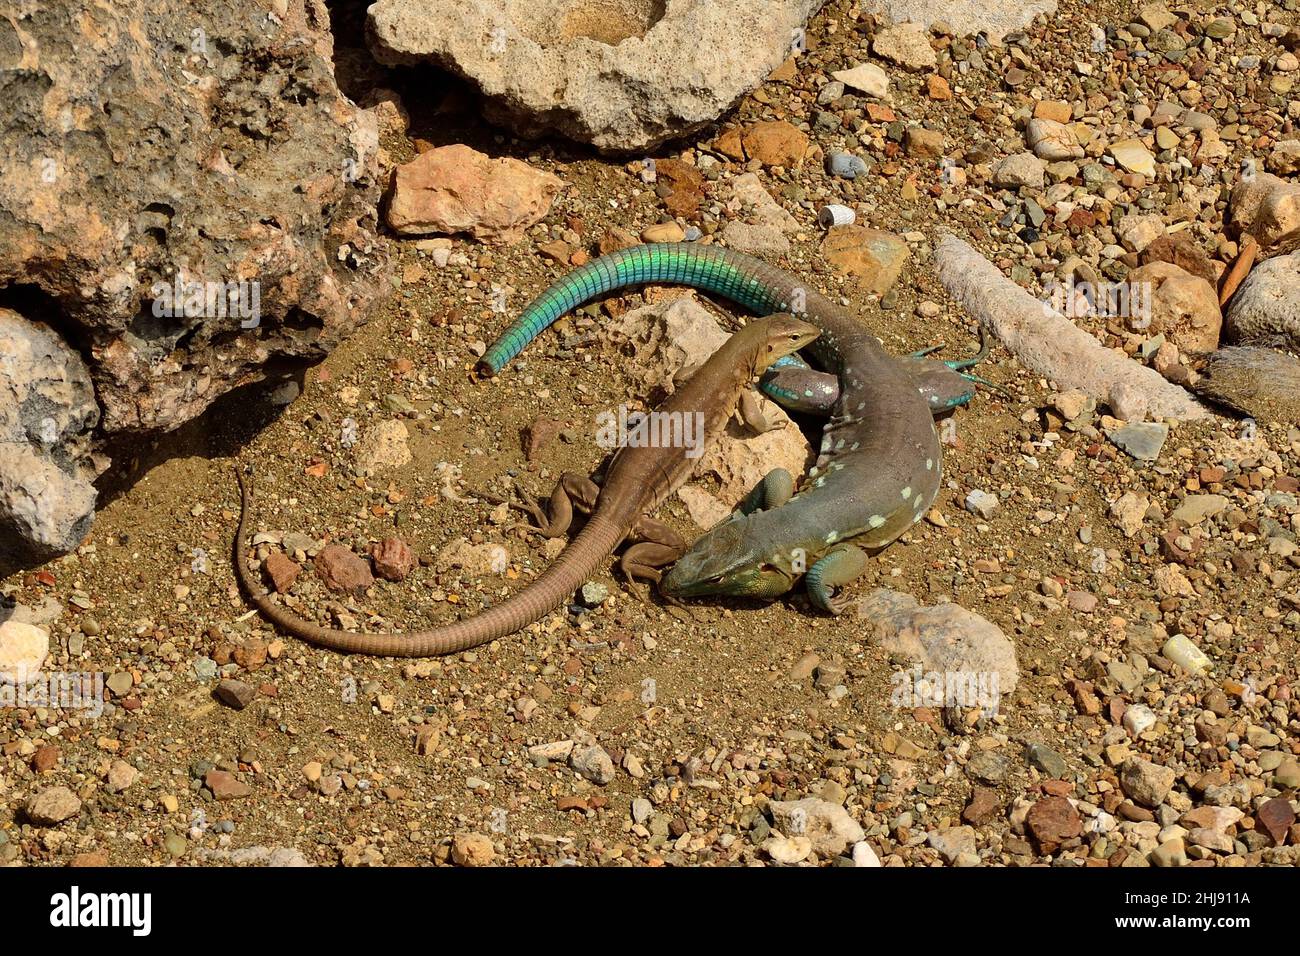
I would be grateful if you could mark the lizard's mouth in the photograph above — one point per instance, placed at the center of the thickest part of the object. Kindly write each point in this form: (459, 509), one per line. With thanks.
(756, 582)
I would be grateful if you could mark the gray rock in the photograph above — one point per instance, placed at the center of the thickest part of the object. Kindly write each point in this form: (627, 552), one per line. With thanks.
(1145, 782)
(593, 594)
(1266, 308)
(961, 646)
(623, 75)
(845, 165)
(1259, 382)
(47, 414)
(641, 810)
(1047, 760)
(1141, 440)
(1021, 169)
(989, 766)
(593, 763)
(982, 503)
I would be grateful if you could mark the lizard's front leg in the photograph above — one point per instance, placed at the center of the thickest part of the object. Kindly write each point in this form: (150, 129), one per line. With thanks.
(751, 413)
(834, 569)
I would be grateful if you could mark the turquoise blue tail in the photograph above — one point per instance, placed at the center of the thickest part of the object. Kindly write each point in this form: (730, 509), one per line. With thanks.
(701, 267)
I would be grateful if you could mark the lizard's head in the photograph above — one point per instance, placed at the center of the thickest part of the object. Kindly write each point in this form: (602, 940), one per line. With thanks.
(726, 561)
(782, 335)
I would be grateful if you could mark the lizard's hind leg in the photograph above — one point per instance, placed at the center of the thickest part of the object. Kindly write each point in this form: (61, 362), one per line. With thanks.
(774, 490)
(573, 492)
(655, 546)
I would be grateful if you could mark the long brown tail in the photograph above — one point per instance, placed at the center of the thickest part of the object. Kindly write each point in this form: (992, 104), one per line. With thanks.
(573, 568)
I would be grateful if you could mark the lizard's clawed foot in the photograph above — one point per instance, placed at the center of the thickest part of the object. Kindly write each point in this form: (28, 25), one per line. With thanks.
(527, 505)
(834, 569)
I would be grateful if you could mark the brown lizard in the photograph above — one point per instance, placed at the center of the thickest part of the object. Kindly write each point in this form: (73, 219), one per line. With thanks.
(640, 477)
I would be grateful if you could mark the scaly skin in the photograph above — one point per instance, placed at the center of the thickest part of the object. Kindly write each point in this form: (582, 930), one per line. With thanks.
(944, 385)
(637, 481)
(880, 461)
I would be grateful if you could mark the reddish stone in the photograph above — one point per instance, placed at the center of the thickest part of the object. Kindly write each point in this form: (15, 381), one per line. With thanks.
(984, 806)
(571, 803)
(393, 559)
(685, 186)
(1053, 820)
(343, 570)
(95, 858)
(225, 785)
(1081, 219)
(1276, 817)
(538, 435)
(937, 88)
(251, 654)
(728, 144)
(776, 143)
(1183, 251)
(281, 570)
(46, 758)
(1085, 699)
(1131, 811)
(235, 693)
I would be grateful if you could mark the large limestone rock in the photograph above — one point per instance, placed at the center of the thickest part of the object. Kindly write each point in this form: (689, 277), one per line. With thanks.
(1268, 208)
(1184, 307)
(1265, 310)
(943, 639)
(994, 18)
(623, 75)
(47, 414)
(187, 198)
